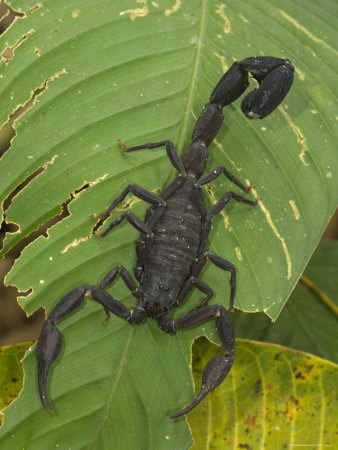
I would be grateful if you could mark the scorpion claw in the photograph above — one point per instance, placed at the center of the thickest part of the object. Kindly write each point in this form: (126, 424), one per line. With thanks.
(48, 349)
(275, 77)
(214, 373)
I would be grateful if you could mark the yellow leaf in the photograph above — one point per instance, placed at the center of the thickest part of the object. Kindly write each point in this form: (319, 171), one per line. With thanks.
(273, 397)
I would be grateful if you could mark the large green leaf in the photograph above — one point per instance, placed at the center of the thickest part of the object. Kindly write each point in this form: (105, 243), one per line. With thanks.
(107, 77)
(98, 72)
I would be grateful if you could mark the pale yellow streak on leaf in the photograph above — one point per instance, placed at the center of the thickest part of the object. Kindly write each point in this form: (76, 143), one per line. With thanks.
(50, 162)
(35, 8)
(237, 418)
(174, 9)
(219, 145)
(311, 51)
(92, 183)
(137, 12)
(57, 75)
(222, 59)
(322, 412)
(300, 74)
(76, 13)
(214, 201)
(220, 11)
(275, 231)
(300, 137)
(239, 253)
(128, 204)
(307, 32)
(74, 243)
(243, 18)
(294, 208)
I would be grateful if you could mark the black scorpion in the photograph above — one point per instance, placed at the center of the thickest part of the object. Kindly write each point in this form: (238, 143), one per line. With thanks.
(171, 250)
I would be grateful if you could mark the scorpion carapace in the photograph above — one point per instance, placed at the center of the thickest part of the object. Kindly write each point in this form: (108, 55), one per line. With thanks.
(171, 249)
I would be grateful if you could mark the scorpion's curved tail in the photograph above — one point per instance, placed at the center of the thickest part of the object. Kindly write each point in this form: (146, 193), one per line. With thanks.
(275, 77)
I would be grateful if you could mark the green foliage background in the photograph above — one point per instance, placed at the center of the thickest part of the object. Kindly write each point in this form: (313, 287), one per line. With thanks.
(95, 73)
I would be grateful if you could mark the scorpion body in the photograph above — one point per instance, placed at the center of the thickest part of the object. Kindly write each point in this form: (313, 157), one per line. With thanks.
(169, 260)
(171, 249)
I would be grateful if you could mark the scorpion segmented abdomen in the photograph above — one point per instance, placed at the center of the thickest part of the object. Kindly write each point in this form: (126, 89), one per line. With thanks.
(175, 246)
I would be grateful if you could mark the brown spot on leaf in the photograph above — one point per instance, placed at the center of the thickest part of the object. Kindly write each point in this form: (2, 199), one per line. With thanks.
(251, 419)
(258, 387)
(299, 375)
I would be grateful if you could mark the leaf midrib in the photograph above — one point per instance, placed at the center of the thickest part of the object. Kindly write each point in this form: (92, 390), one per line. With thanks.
(180, 142)
(115, 382)
(194, 76)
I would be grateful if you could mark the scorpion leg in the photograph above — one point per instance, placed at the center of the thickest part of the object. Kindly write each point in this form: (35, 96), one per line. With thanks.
(203, 287)
(129, 282)
(170, 148)
(141, 226)
(217, 208)
(155, 200)
(219, 262)
(50, 339)
(218, 367)
(133, 220)
(141, 193)
(210, 176)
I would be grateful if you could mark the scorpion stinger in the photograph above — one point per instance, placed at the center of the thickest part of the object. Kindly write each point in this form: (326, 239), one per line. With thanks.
(172, 246)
